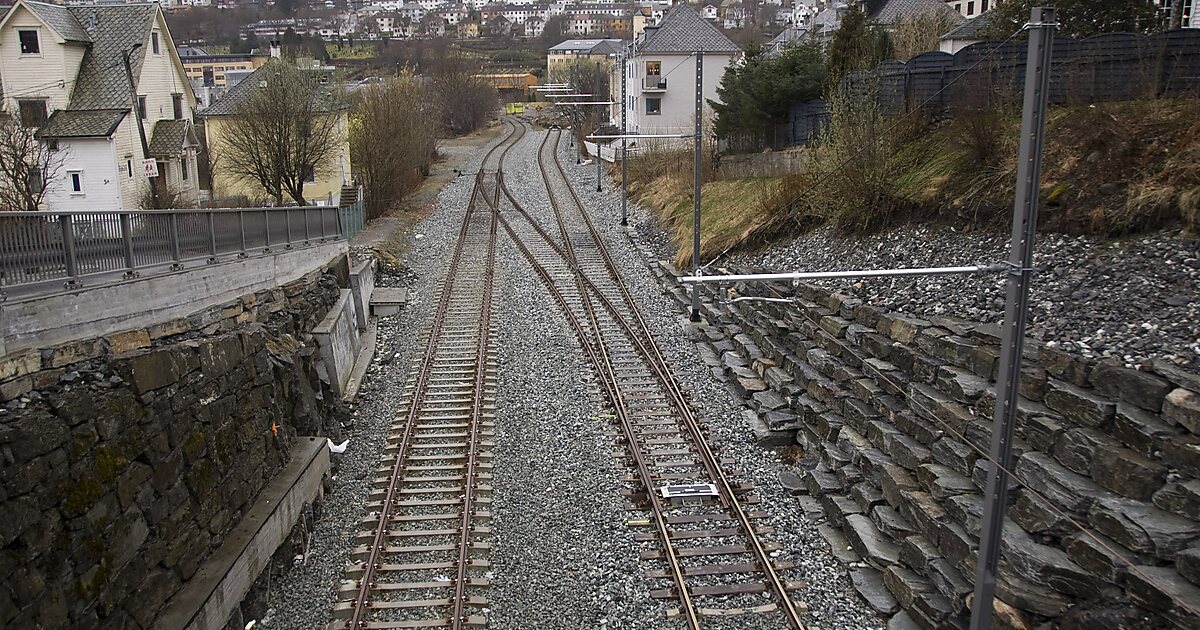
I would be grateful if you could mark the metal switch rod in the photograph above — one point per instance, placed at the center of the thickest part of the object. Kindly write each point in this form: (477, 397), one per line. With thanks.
(826, 275)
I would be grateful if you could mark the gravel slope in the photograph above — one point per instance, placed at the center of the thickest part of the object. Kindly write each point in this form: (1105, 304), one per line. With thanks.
(1131, 299)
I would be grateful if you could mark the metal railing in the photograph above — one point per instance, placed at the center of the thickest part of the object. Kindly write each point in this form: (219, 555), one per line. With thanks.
(353, 216)
(655, 82)
(44, 248)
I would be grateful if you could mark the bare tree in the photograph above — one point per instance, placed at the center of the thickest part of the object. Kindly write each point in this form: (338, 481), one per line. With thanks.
(28, 166)
(284, 132)
(393, 138)
(919, 33)
(467, 101)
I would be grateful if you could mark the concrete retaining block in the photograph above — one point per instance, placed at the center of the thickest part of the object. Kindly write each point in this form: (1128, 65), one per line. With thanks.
(338, 338)
(362, 285)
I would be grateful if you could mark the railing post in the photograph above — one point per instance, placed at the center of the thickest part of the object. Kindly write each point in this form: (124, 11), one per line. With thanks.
(68, 236)
(127, 241)
(176, 256)
(212, 237)
(242, 232)
(266, 230)
(307, 231)
(287, 218)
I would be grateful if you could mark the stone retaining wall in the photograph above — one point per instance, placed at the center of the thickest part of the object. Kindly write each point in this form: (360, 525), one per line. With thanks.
(892, 414)
(125, 460)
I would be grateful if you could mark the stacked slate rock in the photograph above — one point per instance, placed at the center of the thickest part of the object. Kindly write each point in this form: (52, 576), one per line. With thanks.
(893, 414)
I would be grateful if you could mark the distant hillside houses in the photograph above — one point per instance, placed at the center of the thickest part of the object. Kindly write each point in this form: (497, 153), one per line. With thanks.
(374, 19)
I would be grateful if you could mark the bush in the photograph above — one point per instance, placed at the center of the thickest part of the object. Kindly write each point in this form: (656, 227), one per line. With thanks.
(393, 139)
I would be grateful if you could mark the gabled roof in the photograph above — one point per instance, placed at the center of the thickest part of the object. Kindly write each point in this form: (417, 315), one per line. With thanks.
(227, 104)
(171, 137)
(101, 83)
(590, 46)
(893, 11)
(972, 28)
(683, 31)
(91, 123)
(60, 19)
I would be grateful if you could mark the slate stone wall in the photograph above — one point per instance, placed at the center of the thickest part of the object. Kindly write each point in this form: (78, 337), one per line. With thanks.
(892, 414)
(125, 460)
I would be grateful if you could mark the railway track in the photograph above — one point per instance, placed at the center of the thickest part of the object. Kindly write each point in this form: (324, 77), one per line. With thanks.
(702, 538)
(421, 554)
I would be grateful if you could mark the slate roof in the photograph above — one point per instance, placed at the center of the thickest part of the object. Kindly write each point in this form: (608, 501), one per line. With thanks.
(90, 123)
(101, 83)
(227, 104)
(787, 37)
(588, 45)
(683, 31)
(61, 20)
(972, 28)
(895, 10)
(170, 137)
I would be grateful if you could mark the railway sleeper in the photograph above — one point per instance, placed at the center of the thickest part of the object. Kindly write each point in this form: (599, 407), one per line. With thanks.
(719, 569)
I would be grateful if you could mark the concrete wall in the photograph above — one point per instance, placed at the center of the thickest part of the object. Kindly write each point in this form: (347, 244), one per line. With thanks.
(892, 413)
(126, 460)
(338, 338)
(769, 164)
(90, 313)
(362, 285)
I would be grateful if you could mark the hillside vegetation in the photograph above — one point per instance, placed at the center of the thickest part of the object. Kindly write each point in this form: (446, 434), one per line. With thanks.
(1110, 169)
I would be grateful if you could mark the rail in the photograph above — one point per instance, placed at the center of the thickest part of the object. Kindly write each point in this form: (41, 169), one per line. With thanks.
(38, 250)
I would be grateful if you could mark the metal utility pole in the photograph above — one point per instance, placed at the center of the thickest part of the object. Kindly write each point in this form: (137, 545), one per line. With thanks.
(624, 147)
(599, 161)
(1024, 228)
(137, 115)
(696, 140)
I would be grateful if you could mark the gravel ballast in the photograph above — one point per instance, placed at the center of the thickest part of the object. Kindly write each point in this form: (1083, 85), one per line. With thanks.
(832, 601)
(563, 554)
(1132, 300)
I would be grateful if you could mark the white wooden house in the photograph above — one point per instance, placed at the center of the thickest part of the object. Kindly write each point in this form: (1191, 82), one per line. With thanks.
(63, 73)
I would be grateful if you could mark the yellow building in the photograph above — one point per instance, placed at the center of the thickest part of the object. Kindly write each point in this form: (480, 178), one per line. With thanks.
(211, 69)
(561, 57)
(325, 186)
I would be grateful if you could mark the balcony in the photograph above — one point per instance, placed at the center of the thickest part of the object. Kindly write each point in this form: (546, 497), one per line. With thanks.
(654, 83)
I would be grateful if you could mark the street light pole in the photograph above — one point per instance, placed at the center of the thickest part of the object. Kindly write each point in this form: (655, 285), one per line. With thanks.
(137, 114)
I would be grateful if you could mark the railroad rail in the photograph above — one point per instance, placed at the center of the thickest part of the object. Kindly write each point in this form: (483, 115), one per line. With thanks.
(703, 533)
(422, 549)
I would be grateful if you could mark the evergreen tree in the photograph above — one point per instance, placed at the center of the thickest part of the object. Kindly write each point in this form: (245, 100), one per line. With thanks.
(857, 45)
(756, 95)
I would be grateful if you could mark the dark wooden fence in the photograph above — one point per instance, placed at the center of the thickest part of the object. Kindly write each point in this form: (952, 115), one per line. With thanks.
(1110, 67)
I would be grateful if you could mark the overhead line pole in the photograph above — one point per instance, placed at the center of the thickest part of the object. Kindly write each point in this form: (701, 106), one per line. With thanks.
(696, 184)
(1016, 309)
(624, 146)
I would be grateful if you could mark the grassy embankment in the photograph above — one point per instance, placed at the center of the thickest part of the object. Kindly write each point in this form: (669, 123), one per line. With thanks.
(1109, 169)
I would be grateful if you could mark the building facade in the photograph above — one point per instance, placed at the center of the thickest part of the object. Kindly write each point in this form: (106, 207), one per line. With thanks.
(63, 71)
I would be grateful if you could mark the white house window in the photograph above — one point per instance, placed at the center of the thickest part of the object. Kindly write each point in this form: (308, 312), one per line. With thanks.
(129, 166)
(76, 180)
(653, 106)
(154, 42)
(183, 167)
(29, 42)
